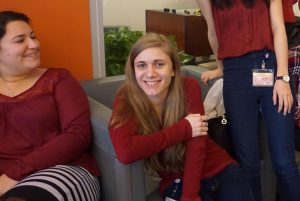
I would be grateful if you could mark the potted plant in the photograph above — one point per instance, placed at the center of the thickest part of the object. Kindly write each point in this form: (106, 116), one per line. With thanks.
(185, 59)
(117, 46)
(118, 43)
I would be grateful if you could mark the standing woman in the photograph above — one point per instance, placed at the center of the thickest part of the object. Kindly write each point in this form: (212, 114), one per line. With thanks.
(45, 129)
(248, 38)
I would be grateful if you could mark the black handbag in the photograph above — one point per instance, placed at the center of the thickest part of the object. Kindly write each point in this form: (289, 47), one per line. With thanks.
(218, 131)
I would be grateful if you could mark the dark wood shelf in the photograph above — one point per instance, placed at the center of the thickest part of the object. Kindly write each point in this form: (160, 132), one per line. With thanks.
(190, 30)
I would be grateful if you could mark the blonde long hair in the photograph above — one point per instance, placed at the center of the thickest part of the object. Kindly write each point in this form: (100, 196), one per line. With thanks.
(137, 104)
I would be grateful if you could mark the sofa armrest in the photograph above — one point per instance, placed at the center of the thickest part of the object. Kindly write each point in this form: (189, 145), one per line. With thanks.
(103, 89)
(100, 116)
(119, 182)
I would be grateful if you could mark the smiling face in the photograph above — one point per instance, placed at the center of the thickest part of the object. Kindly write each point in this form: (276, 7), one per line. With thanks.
(19, 49)
(153, 72)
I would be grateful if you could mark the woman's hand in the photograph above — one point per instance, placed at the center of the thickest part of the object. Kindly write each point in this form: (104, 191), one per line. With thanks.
(6, 183)
(198, 124)
(210, 75)
(282, 96)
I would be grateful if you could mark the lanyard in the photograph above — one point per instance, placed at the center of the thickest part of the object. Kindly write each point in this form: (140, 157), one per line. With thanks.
(263, 64)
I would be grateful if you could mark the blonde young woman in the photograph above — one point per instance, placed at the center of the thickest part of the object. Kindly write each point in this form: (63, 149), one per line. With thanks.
(158, 116)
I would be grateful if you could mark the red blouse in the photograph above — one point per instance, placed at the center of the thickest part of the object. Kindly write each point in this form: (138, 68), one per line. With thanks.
(241, 30)
(47, 125)
(203, 158)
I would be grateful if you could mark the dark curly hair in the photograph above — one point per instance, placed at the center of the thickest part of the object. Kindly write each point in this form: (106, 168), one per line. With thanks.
(10, 16)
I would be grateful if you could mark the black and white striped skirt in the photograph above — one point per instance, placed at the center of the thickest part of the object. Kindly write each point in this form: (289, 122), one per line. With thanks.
(59, 183)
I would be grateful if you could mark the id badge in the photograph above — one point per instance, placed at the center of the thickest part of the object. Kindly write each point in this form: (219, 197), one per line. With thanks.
(262, 77)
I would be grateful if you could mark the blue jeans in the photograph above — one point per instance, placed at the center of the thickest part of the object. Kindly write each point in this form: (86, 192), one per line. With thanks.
(243, 102)
(229, 185)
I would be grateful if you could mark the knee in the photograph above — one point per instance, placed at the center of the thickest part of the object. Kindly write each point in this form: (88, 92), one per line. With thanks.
(250, 165)
(251, 170)
(285, 169)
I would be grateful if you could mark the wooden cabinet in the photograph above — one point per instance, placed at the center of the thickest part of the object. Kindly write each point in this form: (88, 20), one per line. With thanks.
(190, 30)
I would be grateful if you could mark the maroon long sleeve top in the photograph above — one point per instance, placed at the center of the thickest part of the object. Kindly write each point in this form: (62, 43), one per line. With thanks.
(203, 158)
(241, 30)
(47, 125)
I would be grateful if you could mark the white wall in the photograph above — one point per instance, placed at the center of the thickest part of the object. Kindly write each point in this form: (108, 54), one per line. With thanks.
(132, 12)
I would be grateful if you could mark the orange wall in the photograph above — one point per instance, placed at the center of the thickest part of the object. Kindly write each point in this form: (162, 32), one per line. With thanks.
(63, 29)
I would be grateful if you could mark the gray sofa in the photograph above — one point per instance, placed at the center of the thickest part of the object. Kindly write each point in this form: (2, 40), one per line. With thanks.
(121, 182)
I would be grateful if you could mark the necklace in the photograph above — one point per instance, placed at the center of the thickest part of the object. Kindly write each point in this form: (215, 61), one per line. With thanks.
(10, 91)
